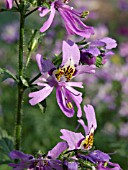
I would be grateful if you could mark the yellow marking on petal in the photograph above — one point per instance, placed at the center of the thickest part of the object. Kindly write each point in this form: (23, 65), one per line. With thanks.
(87, 143)
(68, 72)
(69, 105)
(45, 163)
(58, 73)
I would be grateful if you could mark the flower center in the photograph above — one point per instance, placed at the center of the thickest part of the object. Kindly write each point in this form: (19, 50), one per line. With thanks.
(87, 143)
(67, 72)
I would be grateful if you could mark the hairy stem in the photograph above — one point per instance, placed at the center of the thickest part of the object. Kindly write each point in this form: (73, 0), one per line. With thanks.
(18, 123)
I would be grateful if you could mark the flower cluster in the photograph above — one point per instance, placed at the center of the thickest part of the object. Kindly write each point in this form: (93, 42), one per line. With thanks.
(70, 153)
(81, 58)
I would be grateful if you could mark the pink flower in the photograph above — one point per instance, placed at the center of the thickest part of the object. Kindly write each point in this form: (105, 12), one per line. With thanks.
(72, 19)
(59, 78)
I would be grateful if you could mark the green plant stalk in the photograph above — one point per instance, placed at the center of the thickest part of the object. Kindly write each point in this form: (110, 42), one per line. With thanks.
(18, 122)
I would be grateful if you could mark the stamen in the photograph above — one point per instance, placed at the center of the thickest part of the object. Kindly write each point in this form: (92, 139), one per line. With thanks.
(84, 14)
(69, 105)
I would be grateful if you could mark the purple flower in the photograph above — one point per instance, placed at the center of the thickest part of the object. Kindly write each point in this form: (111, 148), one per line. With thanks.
(29, 162)
(60, 77)
(77, 140)
(97, 48)
(70, 16)
(8, 4)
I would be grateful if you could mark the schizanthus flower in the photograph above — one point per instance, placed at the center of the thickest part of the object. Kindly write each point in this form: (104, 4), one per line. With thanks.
(77, 141)
(72, 19)
(60, 77)
(98, 49)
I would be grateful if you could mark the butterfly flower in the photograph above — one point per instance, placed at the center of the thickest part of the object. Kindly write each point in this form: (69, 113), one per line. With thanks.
(59, 78)
(71, 18)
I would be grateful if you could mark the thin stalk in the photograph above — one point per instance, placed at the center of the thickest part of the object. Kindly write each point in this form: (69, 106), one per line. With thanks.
(31, 12)
(35, 78)
(18, 123)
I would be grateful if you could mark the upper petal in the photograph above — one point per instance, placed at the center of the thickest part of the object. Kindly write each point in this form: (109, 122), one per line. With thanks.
(44, 65)
(90, 116)
(84, 126)
(71, 53)
(71, 138)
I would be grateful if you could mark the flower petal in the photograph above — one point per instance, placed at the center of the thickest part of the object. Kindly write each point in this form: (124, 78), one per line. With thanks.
(48, 23)
(44, 65)
(43, 11)
(62, 100)
(8, 4)
(57, 150)
(71, 138)
(72, 165)
(110, 43)
(85, 69)
(90, 115)
(71, 53)
(20, 155)
(40, 95)
(75, 84)
(76, 97)
(84, 126)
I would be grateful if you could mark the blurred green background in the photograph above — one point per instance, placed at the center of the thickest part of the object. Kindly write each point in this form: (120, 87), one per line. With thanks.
(107, 90)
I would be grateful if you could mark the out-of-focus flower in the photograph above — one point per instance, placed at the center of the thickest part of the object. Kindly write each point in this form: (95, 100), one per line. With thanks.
(60, 77)
(77, 140)
(10, 33)
(31, 163)
(98, 48)
(123, 130)
(8, 4)
(72, 19)
(101, 31)
(123, 5)
(123, 49)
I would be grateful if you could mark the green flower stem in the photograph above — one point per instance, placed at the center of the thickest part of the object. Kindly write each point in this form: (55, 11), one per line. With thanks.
(18, 123)
(29, 13)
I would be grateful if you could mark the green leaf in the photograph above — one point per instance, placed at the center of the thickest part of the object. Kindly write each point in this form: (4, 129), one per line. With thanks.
(36, 35)
(6, 146)
(7, 74)
(99, 61)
